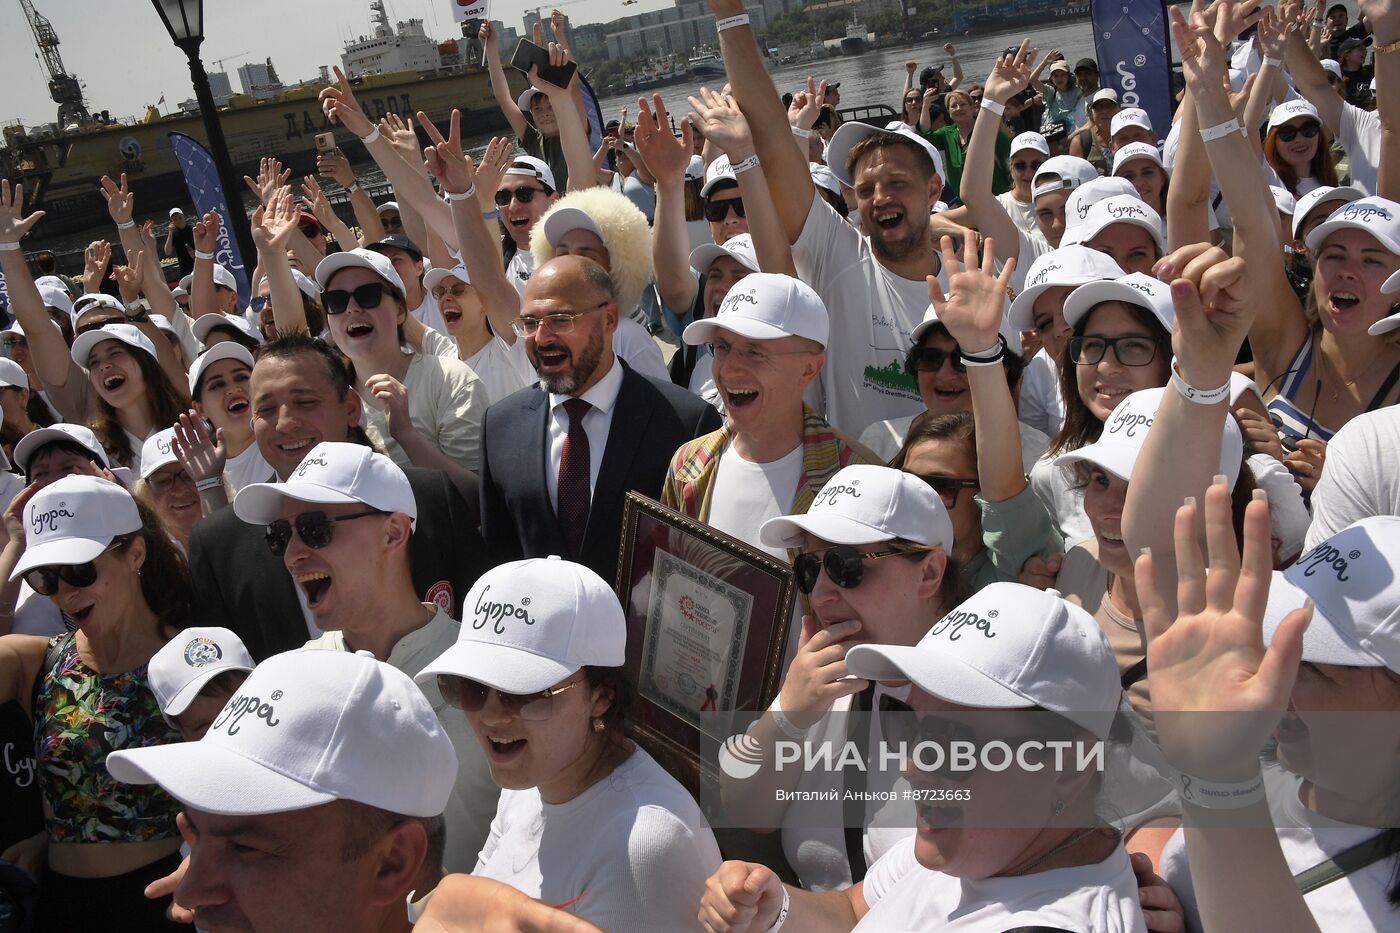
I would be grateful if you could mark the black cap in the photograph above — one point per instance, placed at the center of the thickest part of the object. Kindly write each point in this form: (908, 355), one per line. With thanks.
(833, 85)
(397, 241)
(1352, 42)
(1086, 63)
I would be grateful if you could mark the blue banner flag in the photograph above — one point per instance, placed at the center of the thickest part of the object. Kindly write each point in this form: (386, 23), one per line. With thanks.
(1132, 41)
(202, 179)
(4, 296)
(595, 114)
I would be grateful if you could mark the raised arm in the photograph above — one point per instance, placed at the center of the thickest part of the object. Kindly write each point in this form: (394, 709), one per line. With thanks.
(1036, 84)
(454, 169)
(500, 87)
(399, 131)
(46, 345)
(271, 228)
(1188, 198)
(130, 279)
(1009, 77)
(957, 66)
(1309, 77)
(272, 177)
(1269, 85)
(1384, 17)
(326, 215)
(573, 131)
(783, 163)
(670, 246)
(336, 165)
(909, 69)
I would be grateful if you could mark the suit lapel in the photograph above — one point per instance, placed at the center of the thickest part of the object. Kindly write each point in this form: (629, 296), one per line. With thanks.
(625, 432)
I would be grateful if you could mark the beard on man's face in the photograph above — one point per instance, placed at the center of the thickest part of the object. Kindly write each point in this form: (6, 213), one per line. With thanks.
(568, 381)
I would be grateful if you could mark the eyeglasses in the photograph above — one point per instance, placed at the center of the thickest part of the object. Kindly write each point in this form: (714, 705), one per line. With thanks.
(470, 697)
(259, 302)
(931, 360)
(753, 356)
(911, 100)
(1307, 130)
(162, 483)
(366, 296)
(560, 322)
(1130, 351)
(949, 487)
(314, 529)
(44, 580)
(843, 563)
(1028, 166)
(456, 290)
(715, 211)
(524, 194)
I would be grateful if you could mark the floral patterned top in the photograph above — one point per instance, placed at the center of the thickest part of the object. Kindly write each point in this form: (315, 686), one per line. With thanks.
(80, 716)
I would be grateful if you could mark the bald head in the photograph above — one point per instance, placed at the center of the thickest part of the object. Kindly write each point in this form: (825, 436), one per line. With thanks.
(569, 303)
(563, 273)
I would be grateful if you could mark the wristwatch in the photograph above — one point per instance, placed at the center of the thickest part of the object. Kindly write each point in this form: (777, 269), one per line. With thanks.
(136, 311)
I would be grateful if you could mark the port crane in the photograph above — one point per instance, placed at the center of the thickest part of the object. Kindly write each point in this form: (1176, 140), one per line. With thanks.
(63, 87)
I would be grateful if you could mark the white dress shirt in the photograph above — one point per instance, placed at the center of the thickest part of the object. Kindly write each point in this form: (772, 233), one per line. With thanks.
(596, 424)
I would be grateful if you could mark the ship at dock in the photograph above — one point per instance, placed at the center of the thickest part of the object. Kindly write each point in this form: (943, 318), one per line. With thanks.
(991, 17)
(396, 69)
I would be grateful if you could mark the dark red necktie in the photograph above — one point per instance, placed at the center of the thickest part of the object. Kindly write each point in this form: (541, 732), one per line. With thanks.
(574, 493)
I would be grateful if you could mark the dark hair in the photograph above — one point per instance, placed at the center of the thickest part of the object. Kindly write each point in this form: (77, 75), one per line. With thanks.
(289, 345)
(876, 141)
(1322, 166)
(365, 825)
(166, 403)
(1080, 426)
(236, 335)
(72, 447)
(622, 699)
(1011, 362)
(46, 262)
(953, 426)
(825, 117)
(165, 575)
(225, 683)
(694, 203)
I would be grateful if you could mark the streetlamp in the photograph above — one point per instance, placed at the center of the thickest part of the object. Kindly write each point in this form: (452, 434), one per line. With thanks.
(184, 20)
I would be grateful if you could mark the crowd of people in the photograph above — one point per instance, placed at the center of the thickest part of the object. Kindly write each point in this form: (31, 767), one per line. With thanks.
(310, 614)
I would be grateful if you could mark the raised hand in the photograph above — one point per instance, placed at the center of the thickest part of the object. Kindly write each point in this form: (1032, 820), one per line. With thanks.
(13, 223)
(666, 156)
(271, 177)
(317, 201)
(741, 897)
(128, 277)
(723, 123)
(810, 107)
(1211, 659)
(952, 52)
(495, 160)
(445, 160)
(340, 106)
(95, 260)
(206, 232)
(1383, 16)
(1202, 54)
(120, 202)
(486, 35)
(201, 457)
(1272, 34)
(279, 218)
(972, 309)
(558, 57)
(400, 132)
(556, 26)
(335, 165)
(14, 513)
(1011, 74)
(910, 67)
(1214, 310)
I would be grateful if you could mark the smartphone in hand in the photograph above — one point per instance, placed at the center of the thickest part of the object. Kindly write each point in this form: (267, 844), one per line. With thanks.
(528, 53)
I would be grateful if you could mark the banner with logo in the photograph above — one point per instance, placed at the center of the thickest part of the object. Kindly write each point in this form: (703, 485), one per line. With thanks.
(4, 297)
(1132, 42)
(594, 112)
(463, 10)
(202, 180)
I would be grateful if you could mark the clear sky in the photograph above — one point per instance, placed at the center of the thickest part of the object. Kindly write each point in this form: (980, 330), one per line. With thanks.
(125, 59)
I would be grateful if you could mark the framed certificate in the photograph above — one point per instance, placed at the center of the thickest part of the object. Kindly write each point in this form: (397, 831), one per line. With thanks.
(707, 627)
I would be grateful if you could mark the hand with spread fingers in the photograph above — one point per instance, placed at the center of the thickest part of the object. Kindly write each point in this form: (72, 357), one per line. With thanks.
(202, 457)
(444, 159)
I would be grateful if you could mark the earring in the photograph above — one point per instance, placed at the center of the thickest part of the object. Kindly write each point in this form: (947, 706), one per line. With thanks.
(598, 725)
(1059, 807)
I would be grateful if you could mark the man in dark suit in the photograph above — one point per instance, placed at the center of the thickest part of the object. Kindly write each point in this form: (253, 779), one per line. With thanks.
(559, 457)
(302, 396)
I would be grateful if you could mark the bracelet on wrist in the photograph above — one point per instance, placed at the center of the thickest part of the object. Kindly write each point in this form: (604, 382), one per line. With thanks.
(800, 133)
(1270, 61)
(1199, 396)
(730, 22)
(6, 247)
(994, 106)
(463, 195)
(492, 214)
(1220, 795)
(353, 187)
(1387, 48)
(1221, 130)
(207, 257)
(741, 167)
(210, 482)
(126, 225)
(783, 912)
(373, 135)
(991, 356)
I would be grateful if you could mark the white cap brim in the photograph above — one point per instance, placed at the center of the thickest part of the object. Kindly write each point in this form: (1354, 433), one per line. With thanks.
(787, 531)
(564, 219)
(185, 695)
(1091, 294)
(703, 331)
(704, 256)
(526, 96)
(438, 274)
(1117, 459)
(60, 552)
(208, 777)
(223, 350)
(1322, 643)
(508, 668)
(261, 503)
(936, 673)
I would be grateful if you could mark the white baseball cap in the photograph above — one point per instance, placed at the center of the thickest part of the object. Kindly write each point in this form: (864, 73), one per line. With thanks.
(765, 306)
(223, 350)
(695, 168)
(1332, 65)
(824, 177)
(1240, 385)
(304, 282)
(1322, 195)
(333, 473)
(163, 323)
(717, 171)
(1129, 116)
(125, 333)
(438, 274)
(852, 132)
(527, 97)
(307, 728)
(738, 248)
(1030, 140)
(1352, 579)
(1134, 289)
(224, 278)
(930, 318)
(56, 298)
(1068, 265)
(531, 167)
(1283, 200)
(72, 433)
(175, 210)
(12, 374)
(1008, 647)
(94, 300)
(1078, 204)
(359, 258)
(178, 292)
(1136, 151)
(52, 281)
(205, 324)
(1103, 94)
(1060, 65)
(563, 219)
(1070, 172)
(73, 520)
(1387, 324)
(528, 624)
(867, 504)
(1377, 216)
(1125, 431)
(186, 663)
(386, 206)
(158, 451)
(1122, 209)
(1292, 110)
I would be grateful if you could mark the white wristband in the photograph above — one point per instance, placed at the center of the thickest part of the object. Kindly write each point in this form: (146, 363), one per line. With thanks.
(126, 225)
(1199, 396)
(993, 106)
(9, 246)
(729, 22)
(210, 482)
(1221, 130)
(373, 135)
(207, 257)
(463, 195)
(800, 133)
(786, 726)
(782, 912)
(1214, 795)
(1276, 62)
(744, 166)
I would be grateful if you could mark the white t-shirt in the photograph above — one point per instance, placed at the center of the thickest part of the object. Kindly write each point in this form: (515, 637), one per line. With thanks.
(1359, 132)
(447, 405)
(1356, 902)
(519, 268)
(873, 311)
(632, 343)
(630, 853)
(428, 314)
(702, 380)
(503, 368)
(1359, 478)
(1022, 213)
(1059, 491)
(747, 494)
(247, 468)
(1042, 405)
(903, 895)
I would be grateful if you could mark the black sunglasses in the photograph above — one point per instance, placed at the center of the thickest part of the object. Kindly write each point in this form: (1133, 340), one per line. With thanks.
(314, 529)
(366, 296)
(470, 697)
(524, 194)
(95, 325)
(1028, 166)
(259, 302)
(44, 580)
(1308, 130)
(716, 211)
(949, 487)
(931, 360)
(844, 565)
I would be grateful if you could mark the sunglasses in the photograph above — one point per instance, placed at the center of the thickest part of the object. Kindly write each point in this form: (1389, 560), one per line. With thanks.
(95, 325)
(44, 580)
(1308, 130)
(524, 194)
(391, 223)
(843, 563)
(716, 211)
(949, 487)
(259, 302)
(931, 360)
(367, 297)
(314, 529)
(1130, 351)
(456, 290)
(470, 697)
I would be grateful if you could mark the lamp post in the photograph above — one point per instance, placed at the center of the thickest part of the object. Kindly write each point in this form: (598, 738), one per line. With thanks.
(184, 20)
